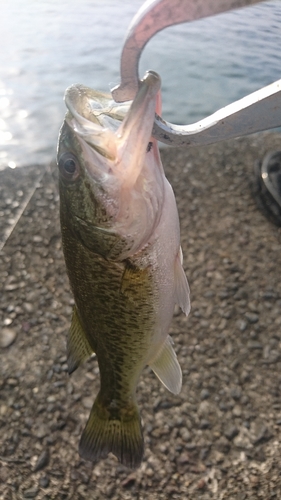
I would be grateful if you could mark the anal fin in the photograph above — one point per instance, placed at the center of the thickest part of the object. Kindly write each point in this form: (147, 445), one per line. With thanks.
(78, 347)
(166, 367)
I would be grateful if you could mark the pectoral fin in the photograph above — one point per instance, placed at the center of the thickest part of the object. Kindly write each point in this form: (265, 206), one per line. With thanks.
(78, 347)
(166, 367)
(181, 286)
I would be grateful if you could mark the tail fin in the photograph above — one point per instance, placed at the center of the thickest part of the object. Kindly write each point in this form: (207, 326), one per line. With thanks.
(118, 432)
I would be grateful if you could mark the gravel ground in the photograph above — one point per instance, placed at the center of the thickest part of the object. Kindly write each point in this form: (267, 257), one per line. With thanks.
(219, 439)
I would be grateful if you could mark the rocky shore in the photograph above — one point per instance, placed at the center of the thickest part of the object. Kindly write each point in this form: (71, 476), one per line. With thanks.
(220, 438)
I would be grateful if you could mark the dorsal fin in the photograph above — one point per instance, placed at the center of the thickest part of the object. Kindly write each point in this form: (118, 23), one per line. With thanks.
(78, 347)
(181, 285)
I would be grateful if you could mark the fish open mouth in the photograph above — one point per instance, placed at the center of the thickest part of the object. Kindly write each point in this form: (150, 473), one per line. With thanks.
(118, 132)
(94, 117)
(96, 107)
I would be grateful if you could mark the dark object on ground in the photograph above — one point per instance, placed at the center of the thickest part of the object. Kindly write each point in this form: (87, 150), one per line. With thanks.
(268, 186)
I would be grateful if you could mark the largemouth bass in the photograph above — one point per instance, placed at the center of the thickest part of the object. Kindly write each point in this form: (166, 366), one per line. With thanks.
(121, 242)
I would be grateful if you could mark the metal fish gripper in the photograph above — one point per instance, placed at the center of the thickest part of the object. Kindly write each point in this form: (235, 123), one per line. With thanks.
(260, 110)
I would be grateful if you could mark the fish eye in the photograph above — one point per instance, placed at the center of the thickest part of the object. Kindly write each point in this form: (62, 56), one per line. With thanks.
(69, 166)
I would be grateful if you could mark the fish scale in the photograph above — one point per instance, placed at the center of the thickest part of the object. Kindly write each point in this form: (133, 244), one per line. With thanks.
(99, 291)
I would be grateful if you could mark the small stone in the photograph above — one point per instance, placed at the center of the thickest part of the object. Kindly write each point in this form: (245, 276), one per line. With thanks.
(244, 377)
(241, 294)
(274, 357)
(242, 496)
(205, 424)
(74, 475)
(253, 344)
(184, 458)
(254, 480)
(256, 454)
(185, 434)
(7, 321)
(44, 482)
(204, 394)
(204, 409)
(28, 307)
(149, 472)
(222, 406)
(236, 393)
(87, 402)
(109, 490)
(218, 456)
(223, 445)
(51, 399)
(263, 436)
(31, 492)
(12, 382)
(237, 412)
(242, 440)
(4, 474)
(26, 326)
(204, 452)
(130, 480)
(251, 317)
(42, 432)
(231, 431)
(253, 335)
(242, 325)
(201, 485)
(42, 461)
(7, 337)
(191, 446)
(10, 287)
(269, 295)
(37, 239)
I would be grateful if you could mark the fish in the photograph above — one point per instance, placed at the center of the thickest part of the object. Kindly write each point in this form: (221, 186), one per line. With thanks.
(121, 244)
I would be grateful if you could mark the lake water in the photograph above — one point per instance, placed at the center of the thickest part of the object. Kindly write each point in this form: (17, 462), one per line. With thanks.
(47, 45)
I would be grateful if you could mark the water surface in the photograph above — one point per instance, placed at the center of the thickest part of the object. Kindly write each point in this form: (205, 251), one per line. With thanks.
(50, 44)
